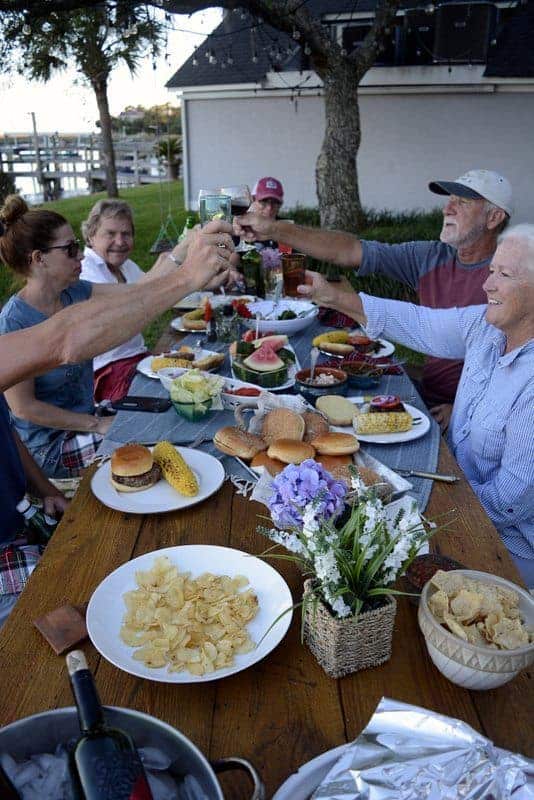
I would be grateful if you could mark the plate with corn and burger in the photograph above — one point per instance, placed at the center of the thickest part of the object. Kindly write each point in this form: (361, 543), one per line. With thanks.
(153, 480)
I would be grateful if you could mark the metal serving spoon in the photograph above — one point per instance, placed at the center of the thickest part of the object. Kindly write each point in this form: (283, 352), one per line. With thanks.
(314, 355)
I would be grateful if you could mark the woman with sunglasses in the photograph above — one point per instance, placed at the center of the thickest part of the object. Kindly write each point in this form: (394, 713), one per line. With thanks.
(54, 414)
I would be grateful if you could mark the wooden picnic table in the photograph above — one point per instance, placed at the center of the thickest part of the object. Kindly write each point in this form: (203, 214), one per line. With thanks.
(284, 710)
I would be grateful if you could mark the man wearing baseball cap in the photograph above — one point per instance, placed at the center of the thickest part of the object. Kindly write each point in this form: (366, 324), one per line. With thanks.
(445, 273)
(267, 196)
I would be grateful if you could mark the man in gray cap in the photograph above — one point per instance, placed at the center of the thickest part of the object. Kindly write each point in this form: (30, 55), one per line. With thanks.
(446, 273)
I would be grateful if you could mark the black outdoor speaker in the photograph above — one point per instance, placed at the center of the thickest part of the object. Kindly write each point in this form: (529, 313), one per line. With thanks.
(463, 32)
(418, 37)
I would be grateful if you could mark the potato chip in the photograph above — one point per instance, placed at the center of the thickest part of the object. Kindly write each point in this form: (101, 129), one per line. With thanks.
(197, 625)
(480, 613)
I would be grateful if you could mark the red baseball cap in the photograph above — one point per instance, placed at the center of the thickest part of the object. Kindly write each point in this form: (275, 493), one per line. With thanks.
(268, 187)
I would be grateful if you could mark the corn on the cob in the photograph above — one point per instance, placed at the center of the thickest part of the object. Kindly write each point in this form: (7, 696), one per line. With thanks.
(162, 362)
(175, 470)
(385, 422)
(340, 337)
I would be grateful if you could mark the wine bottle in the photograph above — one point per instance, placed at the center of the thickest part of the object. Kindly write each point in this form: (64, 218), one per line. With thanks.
(189, 225)
(37, 522)
(7, 789)
(105, 762)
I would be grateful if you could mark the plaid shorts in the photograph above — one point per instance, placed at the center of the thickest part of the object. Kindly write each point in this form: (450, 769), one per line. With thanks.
(17, 562)
(78, 451)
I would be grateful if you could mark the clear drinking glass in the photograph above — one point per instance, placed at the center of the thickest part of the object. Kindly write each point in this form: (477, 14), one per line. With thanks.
(214, 206)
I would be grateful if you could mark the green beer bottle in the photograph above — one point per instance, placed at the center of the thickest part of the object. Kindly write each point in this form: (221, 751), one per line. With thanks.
(189, 225)
(253, 273)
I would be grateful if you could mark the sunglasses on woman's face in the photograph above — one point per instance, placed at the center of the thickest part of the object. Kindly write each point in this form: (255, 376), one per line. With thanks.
(71, 249)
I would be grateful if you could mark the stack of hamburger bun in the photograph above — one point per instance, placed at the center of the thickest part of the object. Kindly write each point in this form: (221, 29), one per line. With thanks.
(290, 438)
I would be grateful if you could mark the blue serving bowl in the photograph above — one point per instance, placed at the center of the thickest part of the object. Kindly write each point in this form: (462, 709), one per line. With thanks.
(311, 393)
(363, 381)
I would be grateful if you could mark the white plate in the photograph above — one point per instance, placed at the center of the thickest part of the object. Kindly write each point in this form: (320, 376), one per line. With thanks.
(395, 438)
(144, 366)
(193, 300)
(106, 608)
(161, 497)
(291, 372)
(177, 325)
(386, 349)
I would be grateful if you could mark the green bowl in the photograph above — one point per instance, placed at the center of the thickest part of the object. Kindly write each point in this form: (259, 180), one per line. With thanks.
(193, 411)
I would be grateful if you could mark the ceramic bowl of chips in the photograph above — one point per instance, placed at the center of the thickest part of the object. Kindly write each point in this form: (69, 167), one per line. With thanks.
(478, 627)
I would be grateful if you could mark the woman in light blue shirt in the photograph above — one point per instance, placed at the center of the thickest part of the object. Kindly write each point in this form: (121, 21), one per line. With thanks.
(491, 430)
(53, 413)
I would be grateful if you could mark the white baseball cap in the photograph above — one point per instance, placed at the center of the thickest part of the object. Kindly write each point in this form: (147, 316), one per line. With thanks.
(479, 183)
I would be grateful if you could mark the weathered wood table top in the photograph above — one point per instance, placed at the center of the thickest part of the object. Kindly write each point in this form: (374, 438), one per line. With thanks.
(284, 710)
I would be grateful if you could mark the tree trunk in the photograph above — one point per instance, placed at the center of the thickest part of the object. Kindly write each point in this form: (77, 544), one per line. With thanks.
(101, 91)
(335, 169)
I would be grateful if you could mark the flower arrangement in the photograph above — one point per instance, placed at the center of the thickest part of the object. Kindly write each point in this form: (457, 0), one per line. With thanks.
(271, 258)
(352, 555)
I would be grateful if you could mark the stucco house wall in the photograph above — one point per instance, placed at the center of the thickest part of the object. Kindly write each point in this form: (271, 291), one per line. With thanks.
(409, 136)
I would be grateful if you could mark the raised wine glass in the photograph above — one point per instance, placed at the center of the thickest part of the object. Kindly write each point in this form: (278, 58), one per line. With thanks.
(241, 201)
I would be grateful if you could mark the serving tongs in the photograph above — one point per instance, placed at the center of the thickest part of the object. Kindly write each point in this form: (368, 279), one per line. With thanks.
(431, 476)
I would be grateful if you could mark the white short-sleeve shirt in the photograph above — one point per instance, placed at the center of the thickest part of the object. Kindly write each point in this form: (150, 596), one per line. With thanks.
(95, 269)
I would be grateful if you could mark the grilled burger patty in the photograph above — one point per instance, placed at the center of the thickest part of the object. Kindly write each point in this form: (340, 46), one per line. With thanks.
(152, 476)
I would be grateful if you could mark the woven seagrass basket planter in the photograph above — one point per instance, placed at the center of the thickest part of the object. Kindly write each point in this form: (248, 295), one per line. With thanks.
(342, 646)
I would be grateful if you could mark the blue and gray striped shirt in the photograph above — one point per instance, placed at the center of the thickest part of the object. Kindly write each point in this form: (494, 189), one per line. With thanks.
(492, 426)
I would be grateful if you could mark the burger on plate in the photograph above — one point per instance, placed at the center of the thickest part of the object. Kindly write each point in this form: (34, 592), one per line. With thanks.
(133, 468)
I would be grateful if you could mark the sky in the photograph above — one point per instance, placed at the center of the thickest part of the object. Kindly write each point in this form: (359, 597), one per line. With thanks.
(60, 105)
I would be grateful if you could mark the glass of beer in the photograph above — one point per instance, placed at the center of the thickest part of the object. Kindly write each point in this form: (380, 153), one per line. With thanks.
(214, 206)
(293, 270)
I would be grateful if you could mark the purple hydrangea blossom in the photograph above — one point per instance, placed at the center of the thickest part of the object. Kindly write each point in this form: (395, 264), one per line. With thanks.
(271, 258)
(297, 486)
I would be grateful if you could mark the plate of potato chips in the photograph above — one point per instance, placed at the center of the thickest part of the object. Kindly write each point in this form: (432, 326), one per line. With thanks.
(189, 614)
(207, 477)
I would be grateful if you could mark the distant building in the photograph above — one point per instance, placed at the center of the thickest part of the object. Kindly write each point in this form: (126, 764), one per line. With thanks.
(132, 115)
(453, 90)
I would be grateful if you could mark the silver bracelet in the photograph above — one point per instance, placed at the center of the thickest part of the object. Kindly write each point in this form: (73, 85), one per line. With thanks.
(174, 259)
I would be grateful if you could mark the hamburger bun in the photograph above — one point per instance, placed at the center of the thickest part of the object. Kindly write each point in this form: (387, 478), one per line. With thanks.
(337, 348)
(282, 423)
(235, 442)
(272, 465)
(314, 425)
(336, 444)
(337, 410)
(133, 468)
(337, 466)
(290, 451)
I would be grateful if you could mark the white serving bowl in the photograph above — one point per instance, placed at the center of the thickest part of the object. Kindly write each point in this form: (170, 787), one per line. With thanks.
(168, 374)
(469, 665)
(287, 326)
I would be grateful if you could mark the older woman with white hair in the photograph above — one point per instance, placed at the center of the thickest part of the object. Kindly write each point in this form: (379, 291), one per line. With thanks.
(491, 430)
(108, 233)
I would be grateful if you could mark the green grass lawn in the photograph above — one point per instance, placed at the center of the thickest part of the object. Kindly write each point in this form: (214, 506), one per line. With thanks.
(153, 203)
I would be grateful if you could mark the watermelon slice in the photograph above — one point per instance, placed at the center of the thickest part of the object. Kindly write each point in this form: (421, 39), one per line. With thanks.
(264, 359)
(248, 336)
(276, 341)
